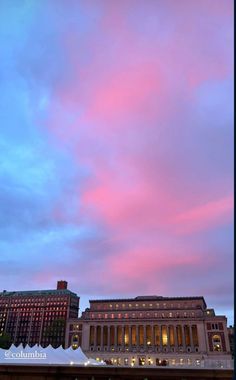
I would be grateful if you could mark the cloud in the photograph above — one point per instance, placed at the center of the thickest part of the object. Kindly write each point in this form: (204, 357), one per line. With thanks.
(117, 145)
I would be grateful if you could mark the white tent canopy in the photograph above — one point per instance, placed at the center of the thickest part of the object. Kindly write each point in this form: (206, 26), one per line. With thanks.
(48, 355)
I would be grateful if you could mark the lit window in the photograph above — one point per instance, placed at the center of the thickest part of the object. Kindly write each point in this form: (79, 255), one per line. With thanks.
(216, 340)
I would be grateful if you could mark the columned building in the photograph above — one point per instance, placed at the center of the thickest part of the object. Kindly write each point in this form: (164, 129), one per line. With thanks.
(150, 330)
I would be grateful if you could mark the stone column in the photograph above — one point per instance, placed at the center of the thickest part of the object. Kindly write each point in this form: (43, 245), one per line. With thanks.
(144, 336)
(130, 337)
(168, 337)
(175, 338)
(161, 346)
(122, 336)
(152, 336)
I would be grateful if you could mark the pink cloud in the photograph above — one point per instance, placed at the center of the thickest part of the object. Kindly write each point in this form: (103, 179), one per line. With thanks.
(128, 118)
(205, 216)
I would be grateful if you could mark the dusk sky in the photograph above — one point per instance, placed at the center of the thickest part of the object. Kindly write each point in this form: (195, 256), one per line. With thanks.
(116, 164)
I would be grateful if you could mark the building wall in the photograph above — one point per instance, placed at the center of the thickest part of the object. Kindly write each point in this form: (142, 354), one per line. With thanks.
(125, 331)
(27, 316)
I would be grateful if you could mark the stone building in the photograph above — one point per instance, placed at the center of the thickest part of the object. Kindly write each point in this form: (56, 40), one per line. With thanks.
(231, 339)
(151, 330)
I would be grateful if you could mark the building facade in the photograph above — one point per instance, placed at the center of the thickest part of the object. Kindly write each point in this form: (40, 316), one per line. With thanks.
(38, 317)
(151, 331)
(231, 339)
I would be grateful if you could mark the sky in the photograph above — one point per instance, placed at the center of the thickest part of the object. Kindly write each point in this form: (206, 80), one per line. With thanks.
(116, 148)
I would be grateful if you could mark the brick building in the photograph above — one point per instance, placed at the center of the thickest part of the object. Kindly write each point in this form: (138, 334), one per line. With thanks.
(151, 330)
(38, 317)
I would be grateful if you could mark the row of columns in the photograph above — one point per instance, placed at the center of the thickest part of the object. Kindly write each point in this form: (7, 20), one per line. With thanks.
(159, 335)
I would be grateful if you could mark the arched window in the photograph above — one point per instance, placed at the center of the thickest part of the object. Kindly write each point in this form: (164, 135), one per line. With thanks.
(216, 341)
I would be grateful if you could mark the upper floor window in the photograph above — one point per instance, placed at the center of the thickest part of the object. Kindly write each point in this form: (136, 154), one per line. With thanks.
(216, 341)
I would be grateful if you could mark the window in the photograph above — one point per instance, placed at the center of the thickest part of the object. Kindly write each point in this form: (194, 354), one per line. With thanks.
(164, 335)
(216, 341)
(142, 361)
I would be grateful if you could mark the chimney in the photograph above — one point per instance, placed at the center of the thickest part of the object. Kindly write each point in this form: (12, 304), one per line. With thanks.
(61, 285)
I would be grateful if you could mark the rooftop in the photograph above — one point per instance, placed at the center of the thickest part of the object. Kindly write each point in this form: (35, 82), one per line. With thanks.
(150, 298)
(36, 293)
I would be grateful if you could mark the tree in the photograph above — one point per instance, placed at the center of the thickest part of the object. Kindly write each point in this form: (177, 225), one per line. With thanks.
(5, 341)
(56, 332)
